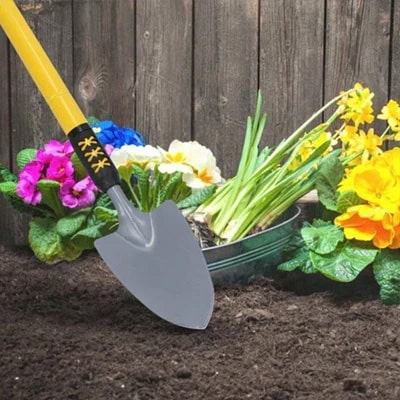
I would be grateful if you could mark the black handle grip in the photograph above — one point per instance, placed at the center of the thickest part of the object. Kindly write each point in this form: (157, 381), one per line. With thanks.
(94, 157)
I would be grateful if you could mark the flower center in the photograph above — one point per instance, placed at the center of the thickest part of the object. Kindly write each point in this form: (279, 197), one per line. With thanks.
(176, 157)
(204, 176)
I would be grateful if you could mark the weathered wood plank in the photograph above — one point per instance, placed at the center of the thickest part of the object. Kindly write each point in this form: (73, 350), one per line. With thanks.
(32, 122)
(225, 76)
(104, 59)
(291, 63)
(357, 47)
(164, 70)
(395, 53)
(5, 135)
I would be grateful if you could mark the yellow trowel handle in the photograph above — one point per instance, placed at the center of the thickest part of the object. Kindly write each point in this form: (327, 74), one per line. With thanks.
(57, 96)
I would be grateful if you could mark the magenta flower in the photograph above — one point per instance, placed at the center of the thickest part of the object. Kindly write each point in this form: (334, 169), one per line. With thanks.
(27, 182)
(77, 195)
(59, 169)
(54, 148)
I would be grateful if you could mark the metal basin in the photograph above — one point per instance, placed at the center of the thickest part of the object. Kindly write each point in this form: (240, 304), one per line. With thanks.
(255, 255)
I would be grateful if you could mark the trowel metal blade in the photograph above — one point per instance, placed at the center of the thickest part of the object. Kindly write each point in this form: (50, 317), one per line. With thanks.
(169, 274)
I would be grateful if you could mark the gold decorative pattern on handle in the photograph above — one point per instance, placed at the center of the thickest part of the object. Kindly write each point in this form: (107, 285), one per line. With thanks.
(94, 154)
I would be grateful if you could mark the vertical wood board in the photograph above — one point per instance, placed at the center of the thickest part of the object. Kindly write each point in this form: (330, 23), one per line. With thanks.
(164, 70)
(104, 59)
(357, 47)
(225, 76)
(291, 63)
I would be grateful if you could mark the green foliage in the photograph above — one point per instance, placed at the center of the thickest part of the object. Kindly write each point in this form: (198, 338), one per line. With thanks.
(49, 190)
(197, 198)
(386, 269)
(327, 179)
(25, 156)
(322, 237)
(345, 262)
(48, 245)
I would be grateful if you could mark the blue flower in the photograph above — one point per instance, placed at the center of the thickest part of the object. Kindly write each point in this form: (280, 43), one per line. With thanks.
(109, 133)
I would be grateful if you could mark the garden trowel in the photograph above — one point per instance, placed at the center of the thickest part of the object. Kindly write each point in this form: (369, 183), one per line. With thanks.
(154, 255)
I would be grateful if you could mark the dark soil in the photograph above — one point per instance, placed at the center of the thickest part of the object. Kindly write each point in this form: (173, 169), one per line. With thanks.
(71, 331)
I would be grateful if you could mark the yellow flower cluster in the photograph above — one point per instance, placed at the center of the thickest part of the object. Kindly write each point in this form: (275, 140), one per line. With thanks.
(377, 183)
(356, 110)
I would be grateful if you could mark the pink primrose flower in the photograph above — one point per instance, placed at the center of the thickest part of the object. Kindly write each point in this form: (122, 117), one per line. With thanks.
(27, 182)
(77, 195)
(59, 169)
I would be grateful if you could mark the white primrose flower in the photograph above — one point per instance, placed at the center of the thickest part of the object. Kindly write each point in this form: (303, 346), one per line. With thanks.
(175, 159)
(128, 154)
(205, 170)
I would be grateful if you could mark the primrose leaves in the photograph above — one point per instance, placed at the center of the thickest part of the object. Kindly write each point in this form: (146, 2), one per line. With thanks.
(347, 199)
(47, 244)
(328, 177)
(25, 156)
(345, 262)
(387, 273)
(322, 237)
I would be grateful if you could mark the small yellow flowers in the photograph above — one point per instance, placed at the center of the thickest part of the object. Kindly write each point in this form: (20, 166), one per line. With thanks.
(391, 113)
(357, 106)
(377, 184)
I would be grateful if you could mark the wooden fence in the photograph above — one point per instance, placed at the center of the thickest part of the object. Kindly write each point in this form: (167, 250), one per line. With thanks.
(190, 69)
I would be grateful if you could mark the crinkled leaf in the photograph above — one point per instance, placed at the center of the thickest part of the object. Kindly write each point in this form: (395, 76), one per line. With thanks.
(104, 201)
(142, 183)
(197, 198)
(327, 179)
(47, 245)
(6, 175)
(296, 256)
(323, 237)
(25, 156)
(8, 189)
(347, 199)
(345, 263)
(49, 190)
(167, 192)
(70, 224)
(80, 170)
(103, 222)
(387, 273)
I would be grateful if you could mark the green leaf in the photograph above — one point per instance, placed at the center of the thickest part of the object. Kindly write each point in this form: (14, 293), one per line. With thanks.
(323, 237)
(197, 198)
(347, 199)
(104, 201)
(327, 179)
(49, 190)
(296, 256)
(345, 263)
(47, 244)
(25, 156)
(167, 191)
(143, 179)
(70, 224)
(92, 120)
(386, 269)
(80, 170)
(9, 188)
(6, 175)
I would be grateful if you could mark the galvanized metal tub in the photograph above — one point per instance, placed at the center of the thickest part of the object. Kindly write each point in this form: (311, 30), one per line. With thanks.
(255, 255)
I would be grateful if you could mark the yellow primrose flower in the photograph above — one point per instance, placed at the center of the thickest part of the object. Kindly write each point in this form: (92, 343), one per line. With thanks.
(389, 160)
(391, 113)
(367, 223)
(375, 185)
(358, 105)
